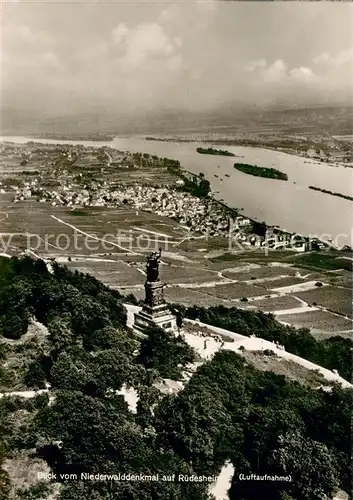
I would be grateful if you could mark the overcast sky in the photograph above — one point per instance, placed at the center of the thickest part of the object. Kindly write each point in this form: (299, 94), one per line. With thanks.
(67, 57)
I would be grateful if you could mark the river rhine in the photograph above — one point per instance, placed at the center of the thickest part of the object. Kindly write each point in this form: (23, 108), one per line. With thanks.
(288, 204)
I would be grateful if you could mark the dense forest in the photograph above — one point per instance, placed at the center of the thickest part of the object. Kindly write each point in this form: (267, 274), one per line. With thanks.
(228, 411)
(268, 173)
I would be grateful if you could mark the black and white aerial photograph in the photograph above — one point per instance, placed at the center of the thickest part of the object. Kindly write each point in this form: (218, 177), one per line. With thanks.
(176, 250)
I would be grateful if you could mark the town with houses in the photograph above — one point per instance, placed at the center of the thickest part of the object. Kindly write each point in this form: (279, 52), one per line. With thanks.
(176, 253)
(63, 176)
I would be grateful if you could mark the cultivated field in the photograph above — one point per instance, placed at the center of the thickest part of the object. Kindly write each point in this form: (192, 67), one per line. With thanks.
(184, 273)
(333, 298)
(260, 273)
(277, 303)
(319, 320)
(79, 239)
(280, 282)
(111, 273)
(332, 260)
(232, 291)
(189, 297)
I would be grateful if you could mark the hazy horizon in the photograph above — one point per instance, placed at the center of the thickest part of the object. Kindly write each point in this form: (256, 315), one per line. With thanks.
(61, 60)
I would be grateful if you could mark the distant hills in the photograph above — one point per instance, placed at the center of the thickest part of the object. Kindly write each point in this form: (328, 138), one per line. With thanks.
(335, 120)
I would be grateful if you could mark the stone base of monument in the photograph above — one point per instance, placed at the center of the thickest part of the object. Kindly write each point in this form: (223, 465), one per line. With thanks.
(155, 311)
(155, 316)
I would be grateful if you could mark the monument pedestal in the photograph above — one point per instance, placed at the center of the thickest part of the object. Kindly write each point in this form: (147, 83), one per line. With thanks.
(155, 311)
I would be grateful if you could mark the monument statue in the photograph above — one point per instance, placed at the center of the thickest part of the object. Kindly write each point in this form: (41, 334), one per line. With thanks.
(152, 267)
(155, 311)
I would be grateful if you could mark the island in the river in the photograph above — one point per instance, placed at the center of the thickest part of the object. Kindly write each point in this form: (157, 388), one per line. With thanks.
(340, 195)
(269, 173)
(212, 151)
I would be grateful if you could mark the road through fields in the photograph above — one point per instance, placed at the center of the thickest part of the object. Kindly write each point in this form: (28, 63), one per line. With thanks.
(94, 237)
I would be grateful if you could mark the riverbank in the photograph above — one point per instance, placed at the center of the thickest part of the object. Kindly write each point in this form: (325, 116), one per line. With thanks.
(280, 204)
(326, 191)
(63, 137)
(283, 145)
